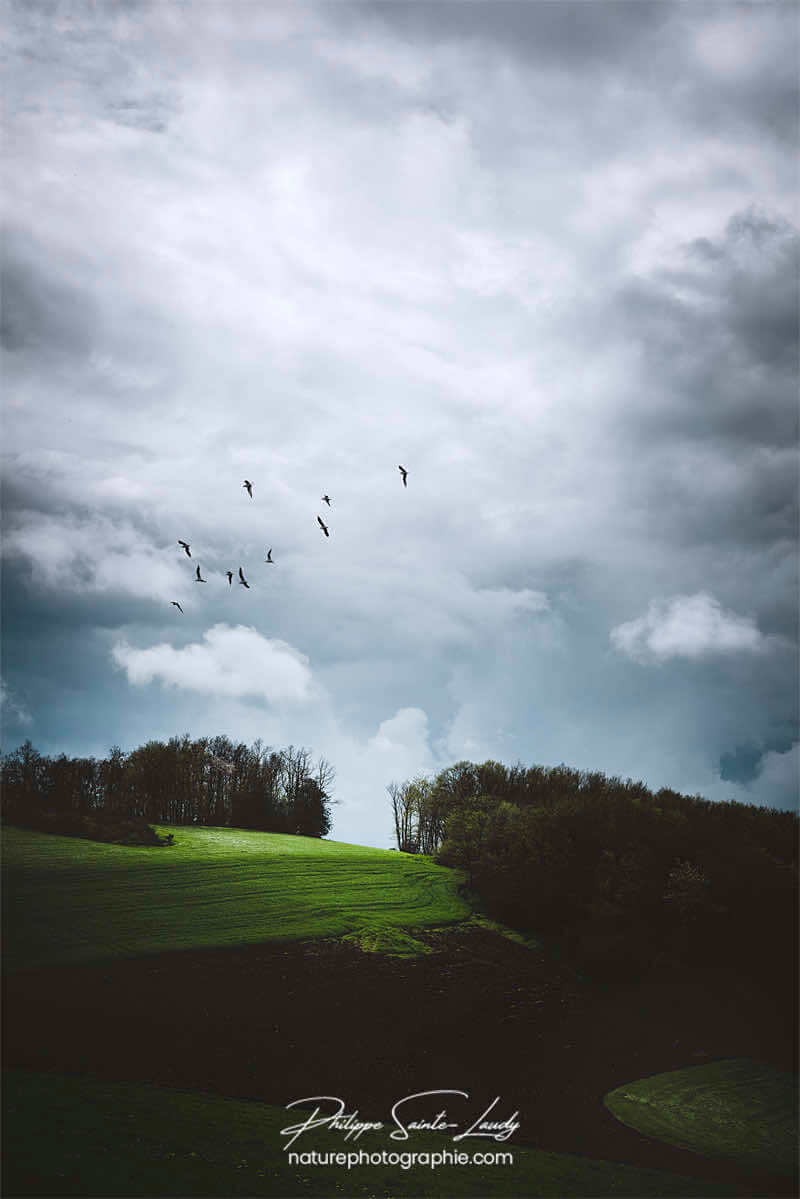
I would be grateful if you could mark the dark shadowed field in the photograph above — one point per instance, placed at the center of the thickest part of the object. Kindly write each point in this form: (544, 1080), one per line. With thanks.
(482, 1014)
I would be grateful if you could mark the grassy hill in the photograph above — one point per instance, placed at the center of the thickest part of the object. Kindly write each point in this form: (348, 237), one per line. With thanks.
(737, 1109)
(168, 1142)
(270, 998)
(69, 900)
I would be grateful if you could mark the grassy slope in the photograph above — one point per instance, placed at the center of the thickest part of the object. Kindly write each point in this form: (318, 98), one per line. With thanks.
(738, 1109)
(123, 1139)
(71, 900)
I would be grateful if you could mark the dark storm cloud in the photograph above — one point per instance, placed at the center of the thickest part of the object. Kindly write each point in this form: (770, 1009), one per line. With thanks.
(53, 662)
(30, 611)
(715, 421)
(640, 41)
(33, 495)
(573, 33)
(42, 312)
(19, 495)
(720, 339)
(56, 650)
(85, 557)
(761, 97)
(745, 763)
(762, 310)
(57, 673)
(71, 337)
(748, 499)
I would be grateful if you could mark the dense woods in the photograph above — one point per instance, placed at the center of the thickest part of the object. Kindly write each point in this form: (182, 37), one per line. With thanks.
(622, 877)
(210, 780)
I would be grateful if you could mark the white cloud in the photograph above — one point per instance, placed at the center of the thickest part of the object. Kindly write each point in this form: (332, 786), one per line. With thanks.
(782, 770)
(11, 708)
(736, 45)
(399, 750)
(403, 737)
(470, 737)
(687, 626)
(230, 661)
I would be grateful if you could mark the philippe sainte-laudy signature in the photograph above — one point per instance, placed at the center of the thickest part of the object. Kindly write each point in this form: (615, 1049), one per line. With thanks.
(333, 1116)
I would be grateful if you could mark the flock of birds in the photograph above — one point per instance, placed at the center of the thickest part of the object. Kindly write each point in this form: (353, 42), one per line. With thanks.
(248, 486)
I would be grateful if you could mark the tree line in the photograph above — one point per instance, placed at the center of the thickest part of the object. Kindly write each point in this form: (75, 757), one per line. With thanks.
(207, 781)
(620, 875)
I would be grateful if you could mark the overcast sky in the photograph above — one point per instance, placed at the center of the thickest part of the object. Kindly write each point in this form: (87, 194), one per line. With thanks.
(543, 255)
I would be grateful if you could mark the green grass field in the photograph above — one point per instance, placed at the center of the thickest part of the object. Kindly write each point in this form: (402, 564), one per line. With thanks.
(69, 900)
(738, 1109)
(109, 1139)
(74, 901)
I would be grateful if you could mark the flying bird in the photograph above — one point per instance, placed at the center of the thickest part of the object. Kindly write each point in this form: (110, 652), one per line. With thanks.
(269, 557)
(323, 526)
(327, 500)
(243, 580)
(175, 604)
(185, 545)
(198, 579)
(404, 473)
(249, 487)
(229, 573)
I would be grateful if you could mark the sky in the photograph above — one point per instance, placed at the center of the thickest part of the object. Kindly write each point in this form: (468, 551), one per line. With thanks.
(543, 255)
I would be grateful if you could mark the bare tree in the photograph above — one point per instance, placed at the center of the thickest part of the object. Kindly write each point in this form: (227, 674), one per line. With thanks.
(404, 812)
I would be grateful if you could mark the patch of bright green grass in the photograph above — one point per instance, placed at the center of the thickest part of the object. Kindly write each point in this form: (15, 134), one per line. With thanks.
(69, 900)
(478, 921)
(389, 940)
(67, 1136)
(737, 1109)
